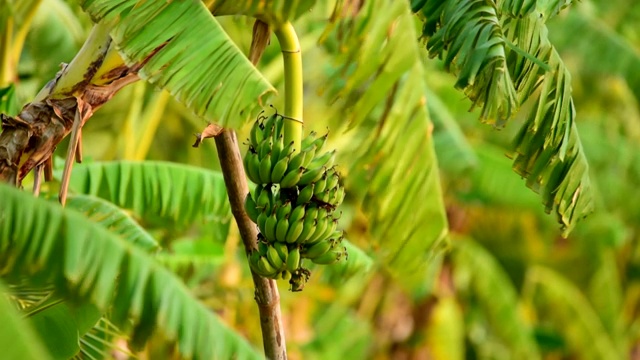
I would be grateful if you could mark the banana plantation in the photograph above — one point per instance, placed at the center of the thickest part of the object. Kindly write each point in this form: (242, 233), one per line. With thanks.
(307, 179)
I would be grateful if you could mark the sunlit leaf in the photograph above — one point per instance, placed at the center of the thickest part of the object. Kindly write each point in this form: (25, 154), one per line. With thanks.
(186, 52)
(50, 244)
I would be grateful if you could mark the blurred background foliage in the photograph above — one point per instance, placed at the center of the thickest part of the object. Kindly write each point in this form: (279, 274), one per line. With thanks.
(510, 287)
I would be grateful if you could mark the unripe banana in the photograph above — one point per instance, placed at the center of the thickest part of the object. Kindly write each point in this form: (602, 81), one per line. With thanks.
(291, 179)
(270, 228)
(262, 220)
(250, 207)
(328, 258)
(266, 267)
(293, 260)
(297, 213)
(315, 250)
(281, 229)
(279, 169)
(333, 180)
(282, 249)
(263, 201)
(309, 155)
(252, 167)
(295, 229)
(256, 135)
(331, 227)
(305, 194)
(265, 169)
(264, 148)
(308, 227)
(319, 142)
(311, 176)
(284, 210)
(295, 163)
(285, 275)
(308, 141)
(254, 259)
(276, 149)
(270, 126)
(321, 226)
(327, 159)
(274, 257)
(320, 185)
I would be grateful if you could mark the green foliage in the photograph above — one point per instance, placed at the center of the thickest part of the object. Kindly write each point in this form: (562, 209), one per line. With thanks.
(571, 315)
(478, 273)
(41, 240)
(214, 79)
(17, 336)
(504, 61)
(273, 12)
(114, 219)
(380, 81)
(178, 192)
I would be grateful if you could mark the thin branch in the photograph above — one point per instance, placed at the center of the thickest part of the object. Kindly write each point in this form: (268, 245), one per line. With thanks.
(266, 295)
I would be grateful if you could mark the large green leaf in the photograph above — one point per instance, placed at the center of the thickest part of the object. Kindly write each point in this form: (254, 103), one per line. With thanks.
(560, 302)
(477, 271)
(46, 243)
(503, 60)
(180, 192)
(186, 52)
(271, 11)
(379, 79)
(114, 219)
(18, 339)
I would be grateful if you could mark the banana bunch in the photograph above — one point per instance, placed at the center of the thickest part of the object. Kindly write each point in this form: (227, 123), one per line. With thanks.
(293, 203)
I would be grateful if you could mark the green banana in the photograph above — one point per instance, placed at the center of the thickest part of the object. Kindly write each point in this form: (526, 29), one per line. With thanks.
(327, 159)
(281, 229)
(305, 194)
(297, 213)
(307, 141)
(285, 275)
(310, 176)
(293, 260)
(295, 229)
(284, 210)
(315, 250)
(320, 185)
(270, 228)
(266, 267)
(276, 149)
(274, 257)
(308, 226)
(252, 167)
(322, 223)
(278, 171)
(256, 135)
(262, 220)
(333, 180)
(319, 142)
(282, 249)
(263, 201)
(328, 258)
(279, 120)
(291, 179)
(295, 163)
(309, 155)
(270, 126)
(250, 207)
(265, 169)
(339, 196)
(264, 148)
(331, 227)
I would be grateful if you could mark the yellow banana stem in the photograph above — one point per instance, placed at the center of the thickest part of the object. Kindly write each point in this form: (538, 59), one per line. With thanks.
(293, 94)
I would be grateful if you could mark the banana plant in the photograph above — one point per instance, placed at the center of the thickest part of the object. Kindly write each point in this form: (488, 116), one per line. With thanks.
(378, 86)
